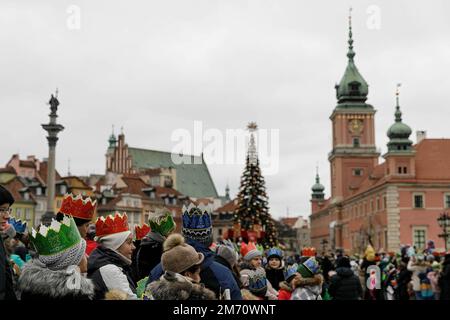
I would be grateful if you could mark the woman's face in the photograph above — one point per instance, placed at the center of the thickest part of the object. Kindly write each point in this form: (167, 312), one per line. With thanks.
(127, 248)
(256, 262)
(274, 263)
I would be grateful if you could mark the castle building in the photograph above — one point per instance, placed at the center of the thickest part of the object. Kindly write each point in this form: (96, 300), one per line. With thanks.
(387, 204)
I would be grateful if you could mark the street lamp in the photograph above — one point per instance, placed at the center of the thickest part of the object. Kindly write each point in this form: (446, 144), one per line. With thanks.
(444, 223)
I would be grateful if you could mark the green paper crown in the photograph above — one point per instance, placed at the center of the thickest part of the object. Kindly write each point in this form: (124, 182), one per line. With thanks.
(162, 222)
(56, 238)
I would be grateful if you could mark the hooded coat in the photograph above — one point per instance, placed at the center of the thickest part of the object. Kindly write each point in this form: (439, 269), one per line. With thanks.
(275, 276)
(109, 271)
(214, 275)
(345, 285)
(37, 282)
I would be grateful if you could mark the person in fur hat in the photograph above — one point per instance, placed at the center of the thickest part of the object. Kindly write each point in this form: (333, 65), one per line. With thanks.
(181, 279)
(308, 282)
(109, 264)
(285, 291)
(275, 267)
(251, 269)
(197, 230)
(58, 271)
(6, 274)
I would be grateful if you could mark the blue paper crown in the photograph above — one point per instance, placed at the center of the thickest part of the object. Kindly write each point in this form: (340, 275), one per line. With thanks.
(275, 252)
(312, 265)
(18, 225)
(292, 270)
(197, 222)
(257, 283)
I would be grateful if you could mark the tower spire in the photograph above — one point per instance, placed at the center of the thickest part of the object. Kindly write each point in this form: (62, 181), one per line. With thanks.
(398, 113)
(350, 53)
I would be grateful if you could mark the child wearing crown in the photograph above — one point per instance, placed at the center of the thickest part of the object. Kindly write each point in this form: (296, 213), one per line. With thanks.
(253, 275)
(275, 267)
(57, 271)
(109, 264)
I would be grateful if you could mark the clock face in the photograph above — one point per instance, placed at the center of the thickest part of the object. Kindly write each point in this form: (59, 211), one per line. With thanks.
(355, 126)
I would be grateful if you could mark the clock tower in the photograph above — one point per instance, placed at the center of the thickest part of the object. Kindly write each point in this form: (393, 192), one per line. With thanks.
(354, 152)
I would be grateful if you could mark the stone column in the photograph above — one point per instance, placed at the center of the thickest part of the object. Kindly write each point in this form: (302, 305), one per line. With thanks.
(52, 129)
(393, 219)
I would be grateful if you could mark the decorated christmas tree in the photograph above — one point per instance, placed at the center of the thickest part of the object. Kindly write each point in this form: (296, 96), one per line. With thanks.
(252, 218)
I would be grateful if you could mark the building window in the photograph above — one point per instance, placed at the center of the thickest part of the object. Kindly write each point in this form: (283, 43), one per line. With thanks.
(220, 232)
(27, 214)
(63, 189)
(418, 201)
(384, 202)
(26, 196)
(38, 191)
(447, 201)
(378, 204)
(419, 240)
(356, 142)
(152, 195)
(399, 170)
(405, 170)
(19, 213)
(358, 172)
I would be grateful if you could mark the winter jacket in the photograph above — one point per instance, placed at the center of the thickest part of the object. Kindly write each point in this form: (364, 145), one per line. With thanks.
(416, 269)
(344, 285)
(285, 291)
(214, 276)
(403, 279)
(173, 286)
(37, 282)
(444, 280)
(225, 263)
(246, 271)
(109, 271)
(148, 255)
(90, 246)
(6, 280)
(275, 276)
(307, 288)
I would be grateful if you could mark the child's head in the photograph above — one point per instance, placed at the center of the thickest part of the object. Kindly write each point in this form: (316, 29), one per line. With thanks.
(274, 262)
(256, 261)
(274, 256)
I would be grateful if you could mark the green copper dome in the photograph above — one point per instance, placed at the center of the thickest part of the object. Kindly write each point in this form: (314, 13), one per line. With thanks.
(399, 132)
(318, 189)
(352, 88)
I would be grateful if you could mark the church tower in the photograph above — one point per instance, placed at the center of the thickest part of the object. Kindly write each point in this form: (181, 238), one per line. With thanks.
(354, 152)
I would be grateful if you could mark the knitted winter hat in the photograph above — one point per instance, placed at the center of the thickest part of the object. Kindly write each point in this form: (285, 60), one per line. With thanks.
(257, 282)
(178, 256)
(249, 251)
(59, 245)
(370, 253)
(115, 240)
(309, 268)
(228, 253)
(197, 224)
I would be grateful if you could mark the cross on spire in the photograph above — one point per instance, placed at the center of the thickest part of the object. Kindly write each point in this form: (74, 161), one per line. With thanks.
(350, 53)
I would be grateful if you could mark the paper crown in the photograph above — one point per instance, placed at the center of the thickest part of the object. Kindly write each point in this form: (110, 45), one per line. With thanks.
(246, 248)
(309, 252)
(161, 221)
(290, 271)
(78, 207)
(197, 222)
(18, 225)
(111, 224)
(309, 268)
(274, 252)
(141, 232)
(257, 282)
(58, 237)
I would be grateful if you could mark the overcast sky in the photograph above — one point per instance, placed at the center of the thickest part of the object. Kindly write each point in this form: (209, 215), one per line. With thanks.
(157, 66)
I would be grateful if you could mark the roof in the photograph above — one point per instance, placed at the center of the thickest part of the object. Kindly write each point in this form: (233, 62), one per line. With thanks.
(15, 186)
(8, 169)
(193, 179)
(134, 185)
(43, 172)
(76, 182)
(230, 206)
(289, 221)
(27, 164)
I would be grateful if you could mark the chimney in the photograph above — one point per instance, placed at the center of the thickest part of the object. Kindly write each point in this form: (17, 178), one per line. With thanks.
(420, 135)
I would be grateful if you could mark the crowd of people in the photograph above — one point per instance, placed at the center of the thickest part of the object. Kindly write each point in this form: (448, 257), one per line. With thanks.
(72, 258)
